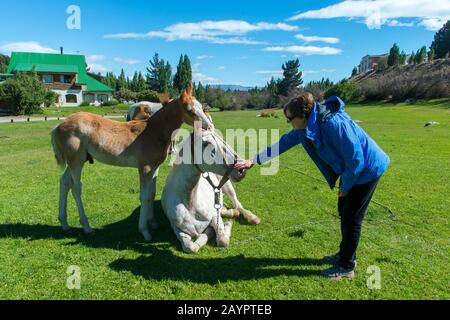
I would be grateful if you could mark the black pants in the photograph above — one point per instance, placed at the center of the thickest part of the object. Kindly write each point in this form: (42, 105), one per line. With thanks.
(352, 209)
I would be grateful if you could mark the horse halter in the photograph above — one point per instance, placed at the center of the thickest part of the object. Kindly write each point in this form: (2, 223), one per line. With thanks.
(225, 178)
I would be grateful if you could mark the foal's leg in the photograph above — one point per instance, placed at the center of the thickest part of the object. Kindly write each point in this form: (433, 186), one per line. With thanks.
(65, 184)
(147, 195)
(223, 231)
(150, 213)
(75, 172)
(229, 190)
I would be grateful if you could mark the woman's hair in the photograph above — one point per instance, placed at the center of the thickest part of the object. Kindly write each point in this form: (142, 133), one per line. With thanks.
(300, 106)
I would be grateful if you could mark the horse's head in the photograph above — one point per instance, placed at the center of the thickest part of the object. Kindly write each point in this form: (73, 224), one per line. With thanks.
(193, 110)
(217, 156)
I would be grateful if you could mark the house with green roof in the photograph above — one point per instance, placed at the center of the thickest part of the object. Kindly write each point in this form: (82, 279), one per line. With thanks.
(65, 74)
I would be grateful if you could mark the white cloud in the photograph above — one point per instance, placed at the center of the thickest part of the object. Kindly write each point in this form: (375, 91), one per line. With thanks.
(95, 67)
(377, 13)
(219, 32)
(271, 72)
(317, 39)
(434, 24)
(127, 61)
(94, 58)
(305, 50)
(198, 76)
(396, 23)
(306, 72)
(203, 57)
(27, 46)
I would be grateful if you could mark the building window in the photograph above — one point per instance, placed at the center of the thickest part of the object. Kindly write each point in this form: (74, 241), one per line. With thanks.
(64, 78)
(102, 98)
(47, 78)
(89, 97)
(71, 98)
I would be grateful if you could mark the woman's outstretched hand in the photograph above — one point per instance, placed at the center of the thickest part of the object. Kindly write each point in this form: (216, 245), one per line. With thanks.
(244, 165)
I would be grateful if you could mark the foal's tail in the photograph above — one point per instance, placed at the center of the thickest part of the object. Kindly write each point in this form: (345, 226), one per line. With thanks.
(59, 155)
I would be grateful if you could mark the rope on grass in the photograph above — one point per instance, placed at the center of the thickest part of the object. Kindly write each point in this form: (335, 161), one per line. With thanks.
(391, 214)
(280, 230)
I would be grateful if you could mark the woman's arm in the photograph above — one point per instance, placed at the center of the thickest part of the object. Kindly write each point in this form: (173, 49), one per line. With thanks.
(286, 142)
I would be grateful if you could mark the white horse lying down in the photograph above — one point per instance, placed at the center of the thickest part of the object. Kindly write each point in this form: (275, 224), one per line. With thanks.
(188, 199)
(143, 110)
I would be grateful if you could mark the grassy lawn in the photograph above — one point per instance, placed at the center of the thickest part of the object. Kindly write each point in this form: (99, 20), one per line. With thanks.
(279, 259)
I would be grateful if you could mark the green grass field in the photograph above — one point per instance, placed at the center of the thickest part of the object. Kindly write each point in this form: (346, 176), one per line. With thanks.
(279, 259)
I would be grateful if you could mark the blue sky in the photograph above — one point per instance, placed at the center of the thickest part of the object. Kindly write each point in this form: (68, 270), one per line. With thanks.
(229, 42)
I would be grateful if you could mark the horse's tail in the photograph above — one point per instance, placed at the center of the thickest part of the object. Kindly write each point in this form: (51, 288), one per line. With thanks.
(59, 155)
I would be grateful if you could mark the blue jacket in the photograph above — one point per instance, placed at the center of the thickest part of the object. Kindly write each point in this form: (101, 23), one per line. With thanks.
(336, 144)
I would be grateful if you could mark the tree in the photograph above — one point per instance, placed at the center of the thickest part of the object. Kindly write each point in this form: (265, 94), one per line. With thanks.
(272, 87)
(441, 42)
(122, 81)
(394, 57)
(292, 77)
(4, 62)
(431, 54)
(354, 72)
(25, 93)
(412, 58)
(159, 75)
(421, 55)
(183, 76)
(199, 94)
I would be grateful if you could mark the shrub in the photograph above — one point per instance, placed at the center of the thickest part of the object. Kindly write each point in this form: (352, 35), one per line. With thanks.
(85, 104)
(125, 95)
(26, 94)
(148, 95)
(344, 90)
(110, 103)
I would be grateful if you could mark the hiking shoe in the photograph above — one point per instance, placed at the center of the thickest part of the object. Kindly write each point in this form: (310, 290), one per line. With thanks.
(333, 259)
(338, 273)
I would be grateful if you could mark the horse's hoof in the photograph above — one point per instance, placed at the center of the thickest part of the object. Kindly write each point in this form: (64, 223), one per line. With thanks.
(255, 221)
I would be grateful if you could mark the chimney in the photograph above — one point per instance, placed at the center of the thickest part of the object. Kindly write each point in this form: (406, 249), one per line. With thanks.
(62, 50)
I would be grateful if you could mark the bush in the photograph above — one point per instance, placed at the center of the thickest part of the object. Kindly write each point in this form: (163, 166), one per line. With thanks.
(85, 104)
(125, 95)
(26, 94)
(148, 95)
(110, 103)
(344, 90)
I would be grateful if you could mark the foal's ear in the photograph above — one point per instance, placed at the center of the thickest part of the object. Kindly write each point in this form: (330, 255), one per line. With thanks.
(186, 95)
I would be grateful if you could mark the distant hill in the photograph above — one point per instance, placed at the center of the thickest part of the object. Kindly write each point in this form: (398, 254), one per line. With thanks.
(231, 87)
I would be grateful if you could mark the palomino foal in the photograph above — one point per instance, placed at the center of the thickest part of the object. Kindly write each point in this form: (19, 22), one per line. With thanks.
(144, 110)
(141, 144)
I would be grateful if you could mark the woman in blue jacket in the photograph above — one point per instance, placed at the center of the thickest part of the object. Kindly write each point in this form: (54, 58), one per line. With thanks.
(339, 148)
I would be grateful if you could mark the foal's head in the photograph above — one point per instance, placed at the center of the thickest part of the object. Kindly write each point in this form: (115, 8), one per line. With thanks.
(192, 110)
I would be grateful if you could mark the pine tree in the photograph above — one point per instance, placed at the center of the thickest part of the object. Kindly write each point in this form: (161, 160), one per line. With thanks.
(121, 81)
(394, 57)
(272, 87)
(183, 76)
(431, 54)
(422, 55)
(292, 77)
(159, 74)
(411, 59)
(441, 42)
(199, 94)
(354, 72)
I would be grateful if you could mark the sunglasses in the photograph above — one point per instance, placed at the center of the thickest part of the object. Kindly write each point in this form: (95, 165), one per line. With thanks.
(289, 119)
